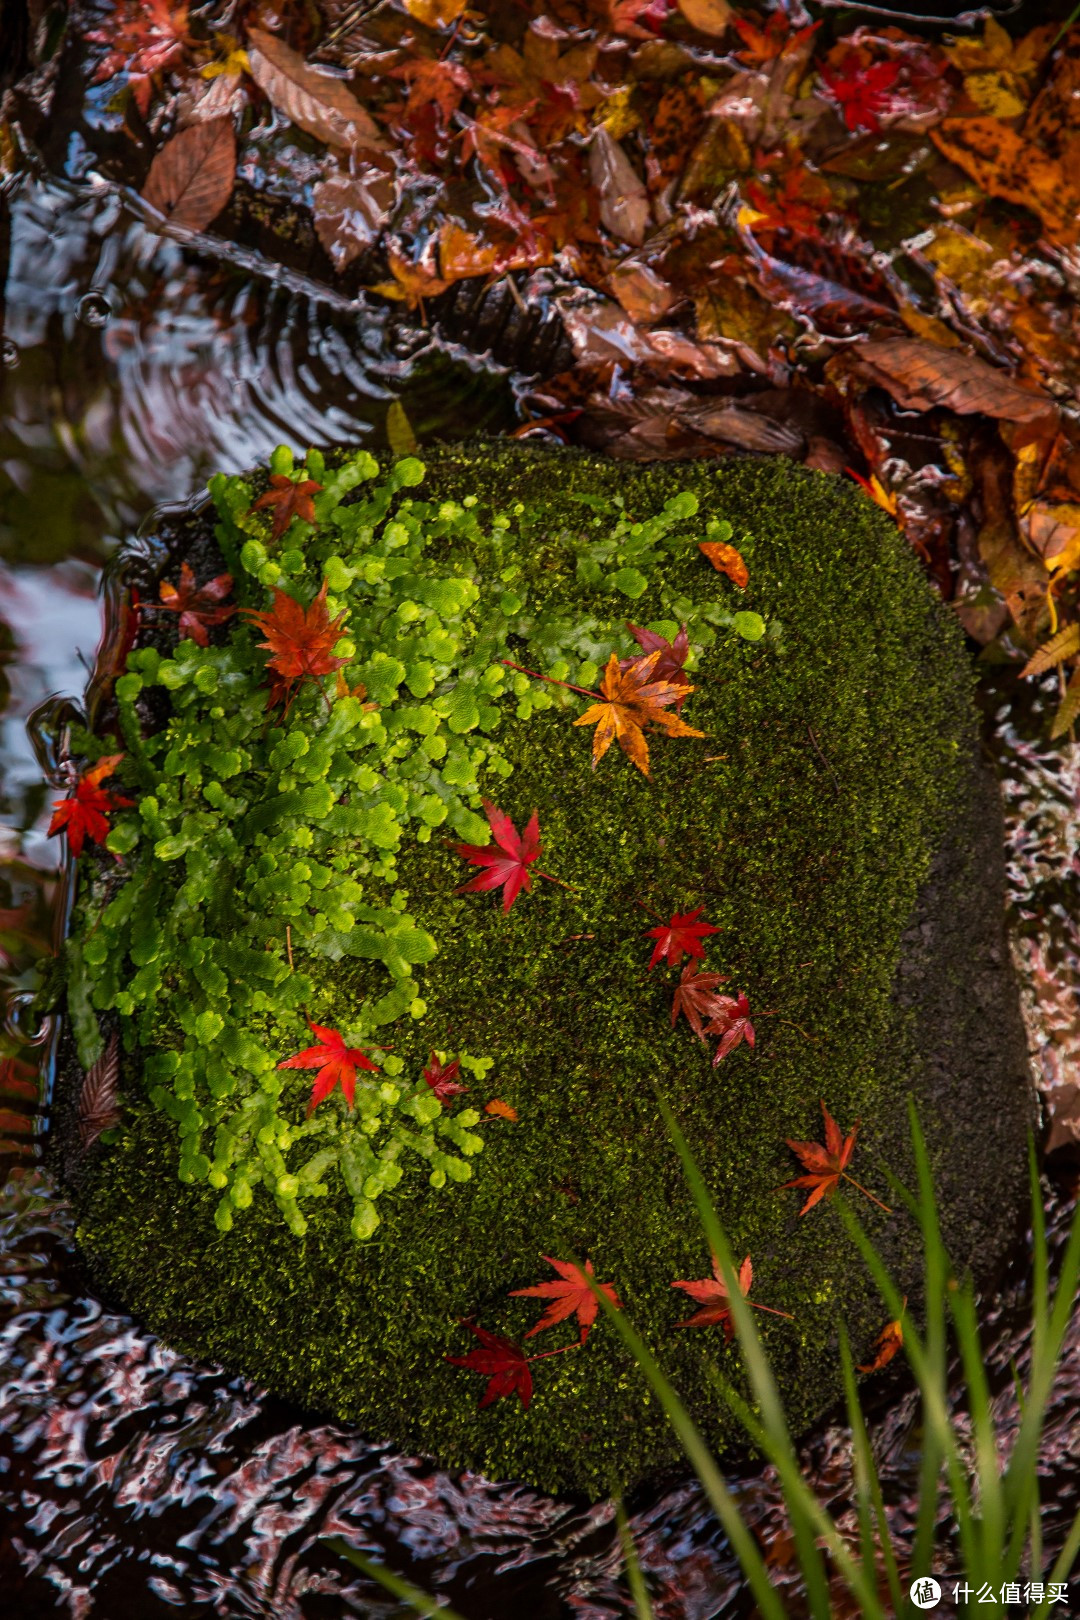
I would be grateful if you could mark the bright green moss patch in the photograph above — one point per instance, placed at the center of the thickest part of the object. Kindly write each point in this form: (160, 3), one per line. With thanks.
(805, 820)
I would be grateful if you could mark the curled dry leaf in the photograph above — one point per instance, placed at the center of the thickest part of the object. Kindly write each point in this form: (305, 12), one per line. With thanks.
(99, 1107)
(920, 375)
(191, 178)
(726, 560)
(746, 428)
(624, 201)
(886, 1345)
(314, 101)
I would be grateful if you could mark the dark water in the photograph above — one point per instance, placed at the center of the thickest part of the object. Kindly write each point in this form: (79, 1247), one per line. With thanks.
(133, 1482)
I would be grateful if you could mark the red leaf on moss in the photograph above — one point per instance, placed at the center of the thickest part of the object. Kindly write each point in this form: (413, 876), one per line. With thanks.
(681, 935)
(85, 813)
(695, 995)
(826, 1165)
(500, 1110)
(571, 1296)
(503, 1363)
(337, 1065)
(299, 640)
(199, 606)
(442, 1078)
(506, 862)
(289, 500)
(726, 560)
(730, 1019)
(712, 1295)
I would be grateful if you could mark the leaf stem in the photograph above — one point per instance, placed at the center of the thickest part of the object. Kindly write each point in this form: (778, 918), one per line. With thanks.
(535, 673)
(771, 1310)
(573, 889)
(864, 1190)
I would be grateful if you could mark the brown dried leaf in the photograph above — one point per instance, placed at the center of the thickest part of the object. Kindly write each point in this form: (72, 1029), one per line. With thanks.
(350, 211)
(624, 201)
(99, 1108)
(708, 16)
(314, 101)
(920, 375)
(191, 178)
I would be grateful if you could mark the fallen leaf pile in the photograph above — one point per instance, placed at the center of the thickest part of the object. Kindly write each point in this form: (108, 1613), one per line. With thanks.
(714, 202)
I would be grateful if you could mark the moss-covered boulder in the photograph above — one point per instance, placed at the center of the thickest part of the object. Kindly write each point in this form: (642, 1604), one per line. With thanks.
(297, 863)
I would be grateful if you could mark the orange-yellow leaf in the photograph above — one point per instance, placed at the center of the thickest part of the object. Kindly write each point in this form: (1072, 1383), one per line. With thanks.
(631, 702)
(726, 560)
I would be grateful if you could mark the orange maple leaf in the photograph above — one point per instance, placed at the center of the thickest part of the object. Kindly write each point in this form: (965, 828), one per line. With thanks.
(500, 1109)
(299, 640)
(877, 492)
(726, 560)
(289, 500)
(632, 702)
(570, 1297)
(712, 1295)
(826, 1165)
(84, 814)
(887, 1343)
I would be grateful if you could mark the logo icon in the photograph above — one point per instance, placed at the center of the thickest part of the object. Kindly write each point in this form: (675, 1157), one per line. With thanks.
(925, 1592)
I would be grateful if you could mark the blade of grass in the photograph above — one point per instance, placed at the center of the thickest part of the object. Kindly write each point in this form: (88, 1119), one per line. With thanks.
(635, 1580)
(934, 1273)
(867, 1483)
(807, 1517)
(992, 1516)
(428, 1608)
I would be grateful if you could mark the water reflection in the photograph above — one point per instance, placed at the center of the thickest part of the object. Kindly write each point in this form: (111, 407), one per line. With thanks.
(132, 1481)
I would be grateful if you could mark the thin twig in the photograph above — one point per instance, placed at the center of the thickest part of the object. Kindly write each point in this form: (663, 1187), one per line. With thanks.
(288, 945)
(794, 1025)
(823, 760)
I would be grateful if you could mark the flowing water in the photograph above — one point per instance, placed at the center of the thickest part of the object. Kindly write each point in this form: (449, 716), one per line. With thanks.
(134, 1482)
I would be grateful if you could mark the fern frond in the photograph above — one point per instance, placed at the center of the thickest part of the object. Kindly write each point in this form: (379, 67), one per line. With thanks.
(1066, 644)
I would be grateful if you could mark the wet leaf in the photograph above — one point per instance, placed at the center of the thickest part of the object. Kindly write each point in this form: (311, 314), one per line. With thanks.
(299, 640)
(1004, 164)
(708, 16)
(673, 654)
(145, 39)
(84, 814)
(920, 375)
(288, 498)
(191, 178)
(199, 606)
(570, 1296)
(337, 1065)
(726, 559)
(712, 1295)
(681, 935)
(506, 862)
(316, 102)
(349, 212)
(861, 87)
(624, 201)
(696, 995)
(729, 1018)
(826, 1165)
(99, 1099)
(443, 1078)
(503, 1363)
(887, 1343)
(633, 701)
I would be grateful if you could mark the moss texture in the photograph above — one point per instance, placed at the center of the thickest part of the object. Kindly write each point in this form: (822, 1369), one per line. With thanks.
(838, 756)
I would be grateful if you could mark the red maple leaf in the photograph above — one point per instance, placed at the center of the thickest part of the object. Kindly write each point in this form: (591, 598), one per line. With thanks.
(507, 865)
(299, 639)
(84, 814)
(144, 38)
(289, 500)
(695, 995)
(730, 1019)
(570, 1297)
(335, 1062)
(826, 1165)
(712, 1295)
(669, 666)
(198, 606)
(682, 934)
(442, 1078)
(861, 89)
(503, 1363)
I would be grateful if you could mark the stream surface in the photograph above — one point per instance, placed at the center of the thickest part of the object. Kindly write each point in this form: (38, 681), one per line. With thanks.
(135, 1483)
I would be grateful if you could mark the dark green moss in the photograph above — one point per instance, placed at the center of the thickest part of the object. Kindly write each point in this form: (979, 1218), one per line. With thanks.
(836, 754)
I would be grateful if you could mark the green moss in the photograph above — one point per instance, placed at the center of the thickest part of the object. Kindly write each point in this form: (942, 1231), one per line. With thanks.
(804, 821)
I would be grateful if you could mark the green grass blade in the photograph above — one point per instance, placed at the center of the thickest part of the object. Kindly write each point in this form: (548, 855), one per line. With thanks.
(934, 1375)
(867, 1483)
(700, 1459)
(635, 1580)
(992, 1515)
(1065, 1562)
(421, 1603)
